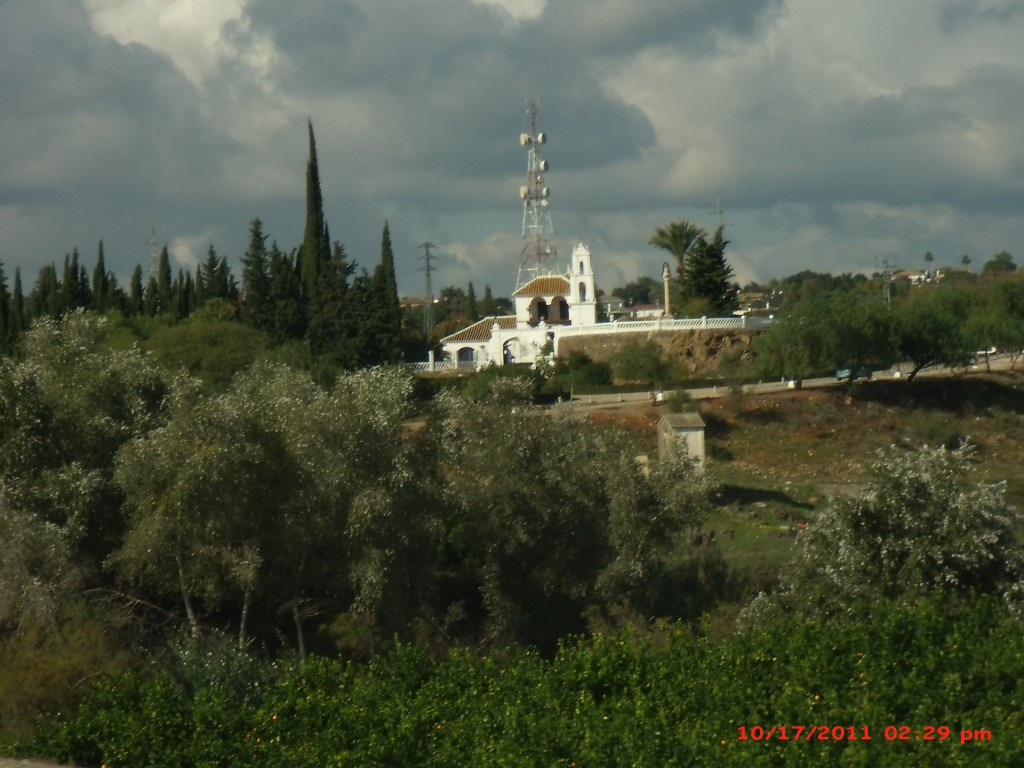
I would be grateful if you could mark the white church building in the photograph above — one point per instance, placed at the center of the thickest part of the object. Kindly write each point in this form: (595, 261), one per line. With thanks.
(544, 307)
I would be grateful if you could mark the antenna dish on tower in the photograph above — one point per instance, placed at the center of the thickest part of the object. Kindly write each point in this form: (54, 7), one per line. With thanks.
(538, 250)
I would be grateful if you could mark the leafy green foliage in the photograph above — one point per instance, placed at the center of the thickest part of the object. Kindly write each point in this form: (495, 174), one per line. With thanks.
(705, 284)
(266, 497)
(578, 369)
(643, 362)
(484, 383)
(65, 409)
(212, 349)
(999, 265)
(615, 700)
(930, 329)
(915, 530)
(797, 344)
(548, 518)
(643, 290)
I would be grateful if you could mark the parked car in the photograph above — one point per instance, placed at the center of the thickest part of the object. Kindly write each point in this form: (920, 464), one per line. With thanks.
(861, 373)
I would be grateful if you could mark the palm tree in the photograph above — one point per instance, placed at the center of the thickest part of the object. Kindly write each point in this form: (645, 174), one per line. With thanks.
(678, 238)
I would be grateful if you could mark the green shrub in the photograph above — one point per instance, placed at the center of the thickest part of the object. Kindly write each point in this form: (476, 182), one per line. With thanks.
(616, 700)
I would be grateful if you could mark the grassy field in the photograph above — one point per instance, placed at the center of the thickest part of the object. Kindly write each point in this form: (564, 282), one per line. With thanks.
(780, 457)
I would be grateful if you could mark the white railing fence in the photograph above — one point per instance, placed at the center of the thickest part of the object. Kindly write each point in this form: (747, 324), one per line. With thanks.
(660, 324)
(625, 326)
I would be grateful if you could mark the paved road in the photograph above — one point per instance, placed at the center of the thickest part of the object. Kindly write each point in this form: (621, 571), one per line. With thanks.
(998, 362)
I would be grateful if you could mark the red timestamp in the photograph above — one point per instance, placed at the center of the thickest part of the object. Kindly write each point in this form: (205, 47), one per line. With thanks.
(935, 733)
(804, 733)
(860, 733)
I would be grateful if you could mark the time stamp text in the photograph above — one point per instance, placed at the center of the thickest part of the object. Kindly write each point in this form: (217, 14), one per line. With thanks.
(862, 733)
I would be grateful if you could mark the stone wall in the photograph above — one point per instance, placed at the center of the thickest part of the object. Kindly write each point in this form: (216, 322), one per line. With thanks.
(697, 351)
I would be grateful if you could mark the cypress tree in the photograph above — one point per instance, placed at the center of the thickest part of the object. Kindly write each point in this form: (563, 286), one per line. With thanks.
(200, 287)
(182, 292)
(332, 330)
(288, 320)
(187, 301)
(151, 297)
(16, 324)
(316, 249)
(45, 296)
(69, 283)
(5, 312)
(83, 292)
(136, 295)
(708, 276)
(226, 286)
(100, 283)
(164, 283)
(384, 310)
(206, 275)
(255, 305)
(488, 308)
(116, 297)
(471, 308)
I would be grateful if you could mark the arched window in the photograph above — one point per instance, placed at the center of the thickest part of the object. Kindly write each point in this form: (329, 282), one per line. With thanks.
(561, 310)
(538, 311)
(583, 291)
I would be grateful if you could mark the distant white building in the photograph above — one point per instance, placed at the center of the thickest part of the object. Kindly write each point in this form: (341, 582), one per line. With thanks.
(543, 307)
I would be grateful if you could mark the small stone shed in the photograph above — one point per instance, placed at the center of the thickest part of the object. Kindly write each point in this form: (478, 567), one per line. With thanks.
(682, 428)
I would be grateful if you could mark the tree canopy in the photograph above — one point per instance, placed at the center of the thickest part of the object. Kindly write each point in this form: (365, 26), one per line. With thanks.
(704, 283)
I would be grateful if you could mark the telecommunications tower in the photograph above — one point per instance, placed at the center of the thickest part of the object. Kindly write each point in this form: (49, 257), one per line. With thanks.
(538, 234)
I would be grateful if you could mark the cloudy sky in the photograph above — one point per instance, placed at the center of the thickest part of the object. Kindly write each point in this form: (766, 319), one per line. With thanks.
(835, 132)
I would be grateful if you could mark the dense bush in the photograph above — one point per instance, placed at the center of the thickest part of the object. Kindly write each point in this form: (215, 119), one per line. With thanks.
(673, 700)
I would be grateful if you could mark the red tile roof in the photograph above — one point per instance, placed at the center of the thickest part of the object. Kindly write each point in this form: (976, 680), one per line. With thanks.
(549, 285)
(481, 330)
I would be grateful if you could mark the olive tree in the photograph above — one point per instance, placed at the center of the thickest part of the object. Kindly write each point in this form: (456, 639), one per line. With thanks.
(930, 328)
(548, 517)
(68, 401)
(277, 490)
(919, 527)
(797, 344)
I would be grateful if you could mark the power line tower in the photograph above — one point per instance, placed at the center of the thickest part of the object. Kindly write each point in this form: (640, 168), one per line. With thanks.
(538, 233)
(719, 212)
(428, 306)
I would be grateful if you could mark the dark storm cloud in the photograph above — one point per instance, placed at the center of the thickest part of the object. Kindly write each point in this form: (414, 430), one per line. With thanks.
(952, 144)
(834, 130)
(620, 27)
(449, 80)
(99, 137)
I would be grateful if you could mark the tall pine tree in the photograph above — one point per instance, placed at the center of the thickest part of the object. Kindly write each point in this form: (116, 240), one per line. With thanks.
(708, 277)
(45, 297)
(385, 310)
(316, 249)
(16, 323)
(472, 311)
(6, 337)
(255, 307)
(289, 314)
(489, 307)
(100, 283)
(164, 284)
(333, 332)
(136, 294)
